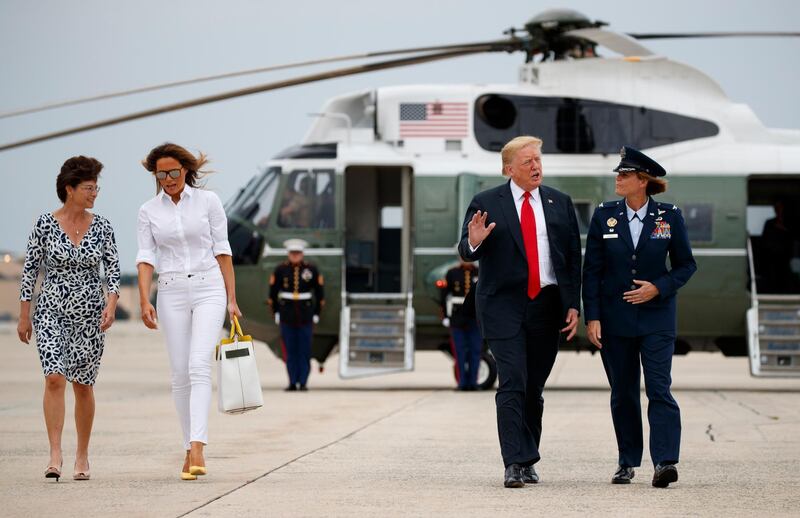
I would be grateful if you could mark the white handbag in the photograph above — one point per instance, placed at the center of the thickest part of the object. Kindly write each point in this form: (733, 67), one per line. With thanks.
(239, 386)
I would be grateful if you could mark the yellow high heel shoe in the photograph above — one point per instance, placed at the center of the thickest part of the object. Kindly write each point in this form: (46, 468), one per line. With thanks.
(197, 470)
(187, 476)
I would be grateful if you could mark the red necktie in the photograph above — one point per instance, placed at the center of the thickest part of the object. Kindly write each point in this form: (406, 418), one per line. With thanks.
(528, 223)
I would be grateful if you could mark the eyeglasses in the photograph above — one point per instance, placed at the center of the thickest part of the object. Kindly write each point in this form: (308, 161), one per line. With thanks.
(90, 188)
(162, 175)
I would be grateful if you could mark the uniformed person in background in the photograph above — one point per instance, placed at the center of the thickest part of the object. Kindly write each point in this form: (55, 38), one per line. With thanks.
(296, 296)
(458, 311)
(629, 303)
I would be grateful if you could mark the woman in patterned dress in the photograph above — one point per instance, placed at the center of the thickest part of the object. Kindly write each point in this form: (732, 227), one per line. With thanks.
(72, 312)
(183, 235)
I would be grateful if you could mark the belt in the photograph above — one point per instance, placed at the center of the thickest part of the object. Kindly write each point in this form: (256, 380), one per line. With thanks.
(453, 301)
(288, 295)
(188, 275)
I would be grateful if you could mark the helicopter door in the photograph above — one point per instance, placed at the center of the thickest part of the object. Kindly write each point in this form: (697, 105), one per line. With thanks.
(773, 250)
(377, 321)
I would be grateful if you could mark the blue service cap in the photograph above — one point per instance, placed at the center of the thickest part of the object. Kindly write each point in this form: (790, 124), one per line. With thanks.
(634, 160)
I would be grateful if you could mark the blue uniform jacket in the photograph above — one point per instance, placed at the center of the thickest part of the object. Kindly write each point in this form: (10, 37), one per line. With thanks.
(612, 263)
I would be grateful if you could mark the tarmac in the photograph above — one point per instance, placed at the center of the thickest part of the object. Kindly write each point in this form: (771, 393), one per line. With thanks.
(397, 445)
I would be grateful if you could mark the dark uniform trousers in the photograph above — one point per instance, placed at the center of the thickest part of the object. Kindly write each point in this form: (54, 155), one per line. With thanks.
(621, 359)
(467, 342)
(297, 352)
(524, 362)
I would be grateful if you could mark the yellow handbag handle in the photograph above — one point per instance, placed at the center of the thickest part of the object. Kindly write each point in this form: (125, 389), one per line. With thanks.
(236, 330)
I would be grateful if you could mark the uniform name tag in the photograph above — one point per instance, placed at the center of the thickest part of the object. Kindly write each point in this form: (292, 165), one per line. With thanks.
(610, 236)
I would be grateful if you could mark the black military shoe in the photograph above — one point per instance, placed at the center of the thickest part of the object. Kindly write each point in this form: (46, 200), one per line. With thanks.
(665, 475)
(514, 476)
(303, 388)
(624, 475)
(290, 388)
(529, 475)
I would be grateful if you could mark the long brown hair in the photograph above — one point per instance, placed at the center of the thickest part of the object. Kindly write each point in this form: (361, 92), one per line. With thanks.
(188, 161)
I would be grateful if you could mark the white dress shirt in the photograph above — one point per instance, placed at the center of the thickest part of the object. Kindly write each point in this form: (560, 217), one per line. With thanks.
(636, 224)
(184, 237)
(547, 274)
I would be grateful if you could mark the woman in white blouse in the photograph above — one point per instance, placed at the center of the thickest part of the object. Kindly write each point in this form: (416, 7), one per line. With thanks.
(183, 235)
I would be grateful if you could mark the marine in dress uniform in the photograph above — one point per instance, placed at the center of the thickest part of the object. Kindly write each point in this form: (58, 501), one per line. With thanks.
(296, 296)
(629, 299)
(458, 310)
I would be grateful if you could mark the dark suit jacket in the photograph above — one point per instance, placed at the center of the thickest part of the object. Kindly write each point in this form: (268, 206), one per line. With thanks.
(613, 262)
(501, 295)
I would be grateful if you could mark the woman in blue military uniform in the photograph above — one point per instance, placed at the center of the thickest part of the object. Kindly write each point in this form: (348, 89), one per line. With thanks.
(296, 296)
(629, 303)
(458, 310)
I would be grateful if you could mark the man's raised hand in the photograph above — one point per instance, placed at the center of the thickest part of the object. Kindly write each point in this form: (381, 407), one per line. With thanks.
(478, 231)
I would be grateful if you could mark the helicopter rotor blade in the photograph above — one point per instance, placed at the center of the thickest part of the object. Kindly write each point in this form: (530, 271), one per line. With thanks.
(505, 45)
(618, 42)
(674, 35)
(241, 73)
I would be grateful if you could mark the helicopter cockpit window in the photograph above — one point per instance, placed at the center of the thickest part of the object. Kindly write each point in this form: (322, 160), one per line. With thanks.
(570, 125)
(248, 210)
(308, 200)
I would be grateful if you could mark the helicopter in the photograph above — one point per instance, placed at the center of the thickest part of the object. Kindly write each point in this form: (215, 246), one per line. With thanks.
(388, 174)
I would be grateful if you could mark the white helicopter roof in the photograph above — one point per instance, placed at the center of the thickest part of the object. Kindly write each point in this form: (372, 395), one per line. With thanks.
(369, 128)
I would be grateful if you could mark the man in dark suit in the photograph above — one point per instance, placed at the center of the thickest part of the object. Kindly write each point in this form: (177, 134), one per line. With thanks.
(527, 240)
(629, 300)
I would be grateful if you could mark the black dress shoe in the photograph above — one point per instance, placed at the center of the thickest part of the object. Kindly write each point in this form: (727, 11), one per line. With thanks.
(529, 475)
(290, 388)
(665, 475)
(624, 475)
(303, 388)
(514, 476)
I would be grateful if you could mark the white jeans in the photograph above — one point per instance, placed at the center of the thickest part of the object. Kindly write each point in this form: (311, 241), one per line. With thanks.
(191, 309)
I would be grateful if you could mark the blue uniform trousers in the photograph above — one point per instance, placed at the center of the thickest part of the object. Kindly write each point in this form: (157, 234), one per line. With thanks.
(524, 362)
(468, 344)
(297, 347)
(621, 359)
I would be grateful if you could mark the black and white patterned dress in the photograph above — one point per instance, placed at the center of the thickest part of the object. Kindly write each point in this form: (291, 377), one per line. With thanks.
(70, 306)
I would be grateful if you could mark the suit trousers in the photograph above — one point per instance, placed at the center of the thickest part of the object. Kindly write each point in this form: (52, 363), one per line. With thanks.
(191, 309)
(524, 362)
(621, 357)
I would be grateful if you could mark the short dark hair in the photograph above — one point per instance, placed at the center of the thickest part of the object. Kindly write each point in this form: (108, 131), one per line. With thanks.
(75, 171)
(654, 185)
(188, 161)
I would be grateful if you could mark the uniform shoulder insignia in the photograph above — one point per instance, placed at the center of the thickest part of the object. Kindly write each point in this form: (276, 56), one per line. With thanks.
(608, 204)
(668, 206)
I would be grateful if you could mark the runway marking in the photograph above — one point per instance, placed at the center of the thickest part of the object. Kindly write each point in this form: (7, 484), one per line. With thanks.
(315, 450)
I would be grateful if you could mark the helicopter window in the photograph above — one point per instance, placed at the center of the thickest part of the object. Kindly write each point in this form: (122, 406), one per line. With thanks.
(308, 200)
(568, 125)
(250, 207)
(699, 219)
(498, 112)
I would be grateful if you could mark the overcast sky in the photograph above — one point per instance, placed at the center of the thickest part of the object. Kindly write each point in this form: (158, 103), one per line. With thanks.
(53, 50)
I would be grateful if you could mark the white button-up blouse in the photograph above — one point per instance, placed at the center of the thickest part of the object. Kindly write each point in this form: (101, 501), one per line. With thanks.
(184, 237)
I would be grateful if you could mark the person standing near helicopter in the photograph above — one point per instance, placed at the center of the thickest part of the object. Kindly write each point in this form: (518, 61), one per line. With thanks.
(296, 296)
(629, 303)
(458, 310)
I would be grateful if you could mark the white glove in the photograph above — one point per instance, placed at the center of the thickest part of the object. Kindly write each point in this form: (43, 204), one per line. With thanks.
(446, 322)
(277, 318)
(315, 319)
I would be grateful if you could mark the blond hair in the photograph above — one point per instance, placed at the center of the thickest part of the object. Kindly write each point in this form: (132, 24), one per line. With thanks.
(514, 145)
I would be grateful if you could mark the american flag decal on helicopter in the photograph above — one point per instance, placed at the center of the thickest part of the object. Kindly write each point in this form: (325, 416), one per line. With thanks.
(434, 120)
